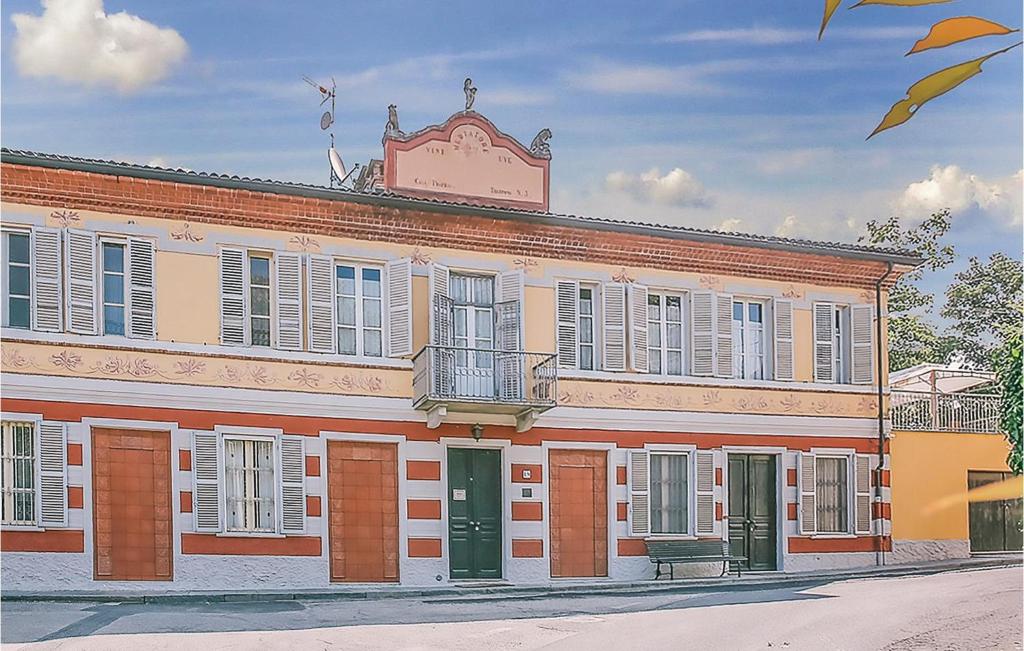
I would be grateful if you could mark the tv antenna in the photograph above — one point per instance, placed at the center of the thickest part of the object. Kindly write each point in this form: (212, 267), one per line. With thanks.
(338, 173)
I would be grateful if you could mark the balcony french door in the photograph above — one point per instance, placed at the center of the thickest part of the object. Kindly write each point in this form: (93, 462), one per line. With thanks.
(474, 341)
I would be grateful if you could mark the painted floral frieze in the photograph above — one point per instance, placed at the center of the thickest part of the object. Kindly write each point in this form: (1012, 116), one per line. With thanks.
(210, 371)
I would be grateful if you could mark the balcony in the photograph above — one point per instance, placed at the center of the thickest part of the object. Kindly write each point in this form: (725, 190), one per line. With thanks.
(483, 381)
(945, 412)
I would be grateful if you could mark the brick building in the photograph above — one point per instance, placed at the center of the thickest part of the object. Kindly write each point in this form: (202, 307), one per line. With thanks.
(214, 382)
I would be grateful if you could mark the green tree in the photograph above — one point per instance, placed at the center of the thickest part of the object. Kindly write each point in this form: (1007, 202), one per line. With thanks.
(912, 338)
(982, 305)
(1009, 370)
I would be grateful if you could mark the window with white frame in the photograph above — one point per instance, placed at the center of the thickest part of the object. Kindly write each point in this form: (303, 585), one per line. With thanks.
(249, 484)
(259, 299)
(665, 333)
(17, 279)
(359, 310)
(113, 288)
(586, 328)
(669, 494)
(831, 494)
(748, 339)
(19, 473)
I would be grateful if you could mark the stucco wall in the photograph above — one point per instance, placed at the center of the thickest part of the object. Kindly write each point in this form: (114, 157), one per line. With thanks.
(928, 467)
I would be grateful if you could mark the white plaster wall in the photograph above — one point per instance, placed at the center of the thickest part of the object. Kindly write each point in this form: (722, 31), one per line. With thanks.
(916, 551)
(831, 561)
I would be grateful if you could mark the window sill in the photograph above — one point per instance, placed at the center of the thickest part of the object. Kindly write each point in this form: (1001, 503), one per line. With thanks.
(20, 527)
(255, 353)
(833, 536)
(702, 380)
(250, 534)
(670, 536)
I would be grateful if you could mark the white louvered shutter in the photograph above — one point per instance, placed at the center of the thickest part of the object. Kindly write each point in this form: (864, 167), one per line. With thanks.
(440, 305)
(613, 316)
(47, 305)
(824, 327)
(705, 483)
(566, 312)
(320, 285)
(293, 492)
(639, 493)
(702, 332)
(862, 336)
(80, 260)
(807, 510)
(288, 303)
(782, 314)
(723, 335)
(141, 288)
(510, 291)
(206, 473)
(233, 330)
(399, 316)
(862, 499)
(638, 328)
(53, 498)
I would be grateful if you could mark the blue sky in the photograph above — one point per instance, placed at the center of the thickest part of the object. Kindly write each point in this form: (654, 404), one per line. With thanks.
(722, 115)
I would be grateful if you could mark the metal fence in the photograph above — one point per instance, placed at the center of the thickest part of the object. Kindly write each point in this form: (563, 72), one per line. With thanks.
(945, 412)
(450, 373)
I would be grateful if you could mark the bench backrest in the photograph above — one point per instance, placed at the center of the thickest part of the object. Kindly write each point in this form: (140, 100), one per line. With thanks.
(687, 548)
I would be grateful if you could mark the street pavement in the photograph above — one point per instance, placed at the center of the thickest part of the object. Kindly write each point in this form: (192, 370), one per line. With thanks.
(969, 609)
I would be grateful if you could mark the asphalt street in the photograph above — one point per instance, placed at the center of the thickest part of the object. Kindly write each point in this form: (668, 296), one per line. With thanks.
(974, 609)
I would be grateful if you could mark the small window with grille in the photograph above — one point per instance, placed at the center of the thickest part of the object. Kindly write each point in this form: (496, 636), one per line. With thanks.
(249, 485)
(19, 473)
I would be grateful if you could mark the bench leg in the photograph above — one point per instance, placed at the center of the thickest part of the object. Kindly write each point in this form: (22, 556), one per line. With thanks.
(725, 568)
(657, 572)
(671, 572)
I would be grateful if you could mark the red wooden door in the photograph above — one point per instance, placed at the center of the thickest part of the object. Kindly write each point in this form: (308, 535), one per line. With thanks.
(362, 504)
(132, 505)
(579, 512)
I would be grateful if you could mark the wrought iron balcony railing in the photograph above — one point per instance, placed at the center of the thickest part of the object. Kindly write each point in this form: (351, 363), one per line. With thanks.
(945, 412)
(509, 381)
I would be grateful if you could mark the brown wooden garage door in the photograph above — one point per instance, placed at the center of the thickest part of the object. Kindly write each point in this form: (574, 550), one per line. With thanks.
(579, 512)
(132, 505)
(362, 486)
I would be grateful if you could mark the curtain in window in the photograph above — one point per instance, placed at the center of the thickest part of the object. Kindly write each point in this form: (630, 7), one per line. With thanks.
(249, 480)
(668, 493)
(472, 290)
(831, 495)
(18, 480)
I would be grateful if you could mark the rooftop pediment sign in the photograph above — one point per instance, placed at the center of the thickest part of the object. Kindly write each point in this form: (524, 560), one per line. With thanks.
(468, 160)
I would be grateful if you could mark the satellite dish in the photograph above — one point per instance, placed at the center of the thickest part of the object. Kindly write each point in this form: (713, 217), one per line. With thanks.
(337, 165)
(326, 120)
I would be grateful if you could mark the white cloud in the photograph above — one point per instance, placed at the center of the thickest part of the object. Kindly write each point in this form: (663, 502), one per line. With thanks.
(633, 79)
(76, 41)
(793, 160)
(731, 225)
(745, 35)
(788, 227)
(676, 188)
(952, 187)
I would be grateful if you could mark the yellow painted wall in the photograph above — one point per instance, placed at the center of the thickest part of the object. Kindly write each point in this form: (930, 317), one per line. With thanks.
(188, 305)
(930, 466)
(803, 353)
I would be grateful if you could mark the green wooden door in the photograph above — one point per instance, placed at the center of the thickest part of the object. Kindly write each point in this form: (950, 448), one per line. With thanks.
(474, 513)
(994, 526)
(752, 510)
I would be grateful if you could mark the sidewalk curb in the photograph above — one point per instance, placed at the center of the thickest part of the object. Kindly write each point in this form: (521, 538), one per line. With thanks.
(454, 594)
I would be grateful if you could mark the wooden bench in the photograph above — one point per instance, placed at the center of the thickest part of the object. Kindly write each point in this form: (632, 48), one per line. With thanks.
(667, 552)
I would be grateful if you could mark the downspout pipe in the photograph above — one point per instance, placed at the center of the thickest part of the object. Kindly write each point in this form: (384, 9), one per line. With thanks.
(880, 555)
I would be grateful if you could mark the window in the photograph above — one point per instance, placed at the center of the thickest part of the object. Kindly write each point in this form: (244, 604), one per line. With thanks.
(669, 495)
(259, 299)
(585, 327)
(473, 329)
(665, 334)
(17, 280)
(841, 344)
(748, 340)
(113, 288)
(832, 494)
(18, 480)
(249, 484)
(360, 329)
